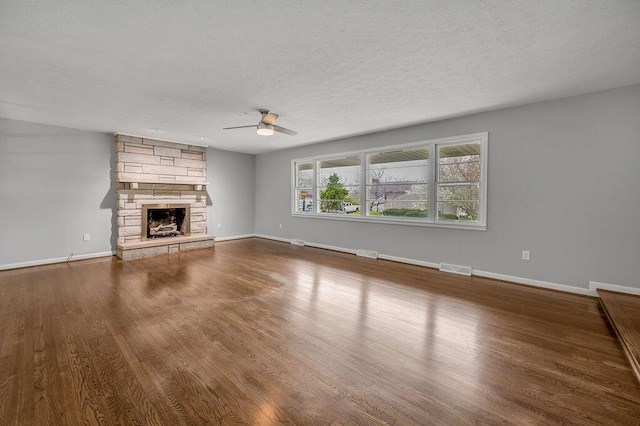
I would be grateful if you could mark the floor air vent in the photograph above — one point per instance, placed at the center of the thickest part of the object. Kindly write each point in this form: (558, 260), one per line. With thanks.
(456, 269)
(297, 242)
(367, 253)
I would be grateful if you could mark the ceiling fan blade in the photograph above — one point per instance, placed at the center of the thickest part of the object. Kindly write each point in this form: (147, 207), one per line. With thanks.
(283, 130)
(270, 118)
(238, 127)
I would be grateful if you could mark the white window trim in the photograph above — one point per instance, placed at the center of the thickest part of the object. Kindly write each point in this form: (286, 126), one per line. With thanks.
(433, 221)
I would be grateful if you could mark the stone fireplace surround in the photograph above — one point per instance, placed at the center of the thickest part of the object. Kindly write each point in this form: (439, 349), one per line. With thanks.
(152, 172)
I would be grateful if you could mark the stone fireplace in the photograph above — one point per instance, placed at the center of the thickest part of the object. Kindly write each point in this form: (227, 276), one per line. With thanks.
(162, 198)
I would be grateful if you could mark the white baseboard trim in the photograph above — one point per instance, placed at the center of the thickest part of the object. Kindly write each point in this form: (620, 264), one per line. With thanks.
(502, 277)
(534, 283)
(271, 237)
(328, 247)
(307, 244)
(409, 261)
(56, 260)
(235, 237)
(594, 286)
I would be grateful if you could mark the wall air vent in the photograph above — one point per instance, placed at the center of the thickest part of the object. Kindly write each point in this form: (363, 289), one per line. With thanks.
(297, 242)
(456, 269)
(367, 253)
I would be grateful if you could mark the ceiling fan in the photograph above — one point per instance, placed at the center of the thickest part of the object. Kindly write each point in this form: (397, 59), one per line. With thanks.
(265, 126)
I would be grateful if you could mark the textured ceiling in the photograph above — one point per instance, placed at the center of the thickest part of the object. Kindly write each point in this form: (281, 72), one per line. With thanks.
(330, 68)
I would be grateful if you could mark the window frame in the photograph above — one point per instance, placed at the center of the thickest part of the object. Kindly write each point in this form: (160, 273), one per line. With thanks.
(432, 220)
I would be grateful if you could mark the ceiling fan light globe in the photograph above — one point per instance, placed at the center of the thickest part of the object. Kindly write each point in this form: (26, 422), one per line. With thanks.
(265, 129)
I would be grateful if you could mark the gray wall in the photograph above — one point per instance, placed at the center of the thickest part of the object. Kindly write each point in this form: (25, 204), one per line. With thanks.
(563, 183)
(231, 178)
(55, 186)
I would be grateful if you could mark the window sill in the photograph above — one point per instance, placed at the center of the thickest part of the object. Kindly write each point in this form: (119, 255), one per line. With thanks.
(389, 221)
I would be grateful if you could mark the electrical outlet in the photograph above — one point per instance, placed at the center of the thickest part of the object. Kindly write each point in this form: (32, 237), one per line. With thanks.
(219, 225)
(280, 226)
(526, 255)
(85, 237)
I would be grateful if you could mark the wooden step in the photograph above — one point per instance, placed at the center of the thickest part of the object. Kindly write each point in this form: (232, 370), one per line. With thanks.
(623, 311)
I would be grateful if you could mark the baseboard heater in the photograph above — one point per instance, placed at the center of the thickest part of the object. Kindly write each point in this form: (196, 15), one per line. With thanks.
(456, 269)
(367, 253)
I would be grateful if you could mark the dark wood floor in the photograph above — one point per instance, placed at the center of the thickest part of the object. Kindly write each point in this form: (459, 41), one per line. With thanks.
(262, 332)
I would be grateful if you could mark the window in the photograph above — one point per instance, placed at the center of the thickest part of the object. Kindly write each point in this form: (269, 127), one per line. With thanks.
(397, 183)
(303, 200)
(339, 185)
(434, 183)
(459, 182)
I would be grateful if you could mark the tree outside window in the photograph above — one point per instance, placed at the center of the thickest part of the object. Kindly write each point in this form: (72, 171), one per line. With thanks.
(333, 195)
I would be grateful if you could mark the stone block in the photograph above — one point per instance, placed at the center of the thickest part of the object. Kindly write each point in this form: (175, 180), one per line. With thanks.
(193, 245)
(164, 162)
(120, 240)
(193, 164)
(174, 248)
(125, 231)
(195, 180)
(164, 170)
(166, 178)
(164, 144)
(121, 203)
(130, 157)
(138, 149)
(196, 218)
(120, 167)
(197, 148)
(132, 168)
(141, 252)
(166, 152)
(136, 177)
(193, 155)
(121, 220)
(119, 146)
(194, 172)
(125, 138)
(142, 195)
(164, 186)
(133, 221)
(198, 225)
(124, 213)
(166, 193)
(139, 145)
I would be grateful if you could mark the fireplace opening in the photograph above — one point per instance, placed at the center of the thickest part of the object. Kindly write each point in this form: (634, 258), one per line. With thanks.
(165, 220)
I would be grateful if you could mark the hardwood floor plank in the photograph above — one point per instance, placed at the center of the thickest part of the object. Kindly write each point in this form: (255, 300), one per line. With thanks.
(261, 332)
(623, 312)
